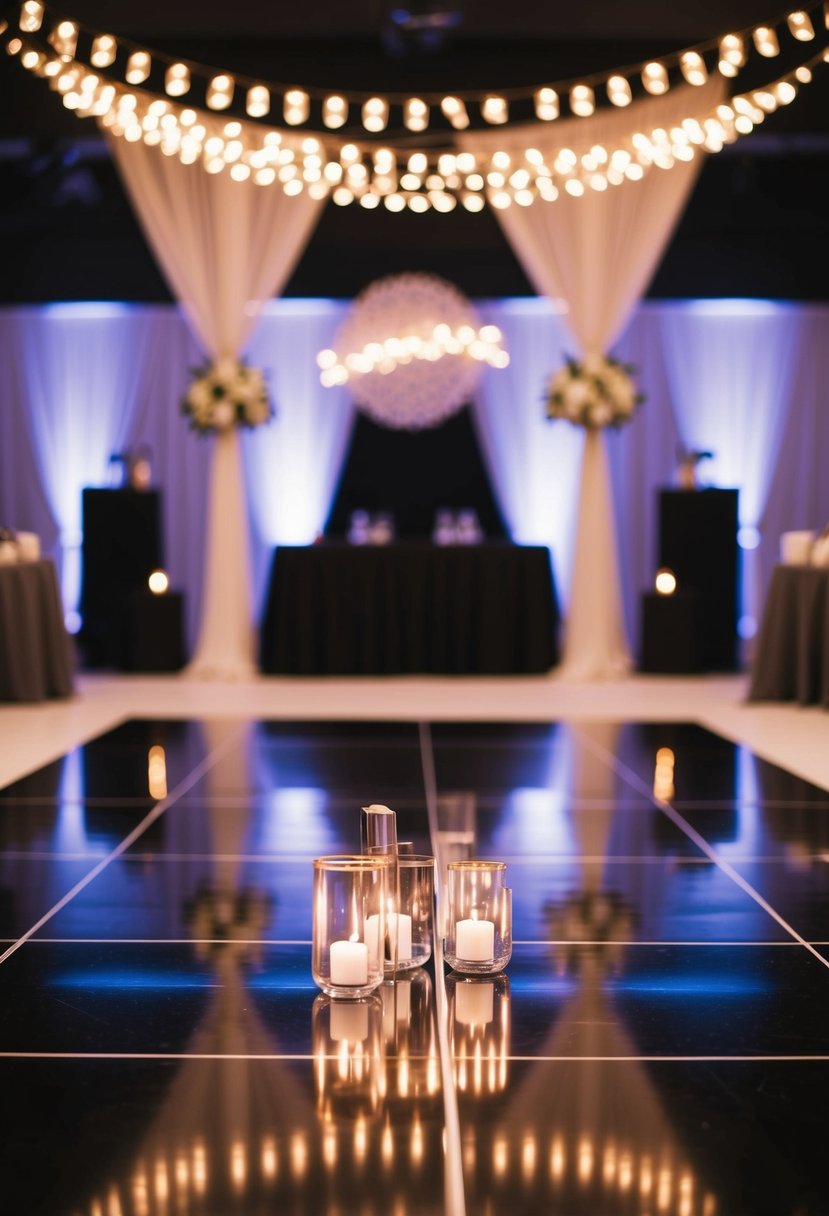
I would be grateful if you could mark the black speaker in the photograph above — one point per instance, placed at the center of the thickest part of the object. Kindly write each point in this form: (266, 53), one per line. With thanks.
(121, 547)
(671, 632)
(698, 541)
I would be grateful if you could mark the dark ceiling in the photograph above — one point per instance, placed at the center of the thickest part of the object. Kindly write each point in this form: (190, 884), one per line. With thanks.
(755, 224)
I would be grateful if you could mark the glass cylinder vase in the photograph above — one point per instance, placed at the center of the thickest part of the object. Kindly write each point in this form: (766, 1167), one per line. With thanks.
(478, 931)
(349, 924)
(409, 910)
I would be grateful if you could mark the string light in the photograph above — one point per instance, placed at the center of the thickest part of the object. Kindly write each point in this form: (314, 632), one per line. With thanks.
(655, 78)
(220, 92)
(455, 112)
(582, 100)
(335, 111)
(732, 54)
(494, 109)
(296, 106)
(800, 26)
(64, 38)
(138, 67)
(375, 114)
(546, 104)
(31, 16)
(177, 79)
(416, 114)
(618, 90)
(765, 41)
(438, 178)
(104, 49)
(692, 66)
(258, 101)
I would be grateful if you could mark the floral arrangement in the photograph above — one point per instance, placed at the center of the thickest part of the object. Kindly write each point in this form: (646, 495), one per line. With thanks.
(595, 393)
(224, 394)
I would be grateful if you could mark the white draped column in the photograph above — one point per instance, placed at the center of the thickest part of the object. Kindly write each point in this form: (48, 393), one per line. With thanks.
(597, 253)
(225, 247)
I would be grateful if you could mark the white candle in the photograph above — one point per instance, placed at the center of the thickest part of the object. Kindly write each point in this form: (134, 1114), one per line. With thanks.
(349, 963)
(475, 940)
(399, 926)
(400, 935)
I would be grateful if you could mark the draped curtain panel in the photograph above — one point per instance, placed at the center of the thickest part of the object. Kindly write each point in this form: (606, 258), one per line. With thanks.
(225, 247)
(81, 374)
(532, 461)
(295, 462)
(733, 373)
(597, 254)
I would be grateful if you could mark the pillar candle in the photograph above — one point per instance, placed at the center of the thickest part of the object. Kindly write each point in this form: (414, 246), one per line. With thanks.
(475, 940)
(349, 963)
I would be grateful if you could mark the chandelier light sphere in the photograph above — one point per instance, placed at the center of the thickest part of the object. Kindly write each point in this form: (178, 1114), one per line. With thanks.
(411, 349)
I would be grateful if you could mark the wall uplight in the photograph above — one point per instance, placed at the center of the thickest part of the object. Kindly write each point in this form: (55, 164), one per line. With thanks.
(158, 582)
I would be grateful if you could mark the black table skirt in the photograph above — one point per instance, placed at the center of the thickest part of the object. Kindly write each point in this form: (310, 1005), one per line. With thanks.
(35, 654)
(791, 658)
(459, 609)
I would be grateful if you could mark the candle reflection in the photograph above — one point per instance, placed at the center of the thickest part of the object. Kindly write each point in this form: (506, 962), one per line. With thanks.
(479, 1028)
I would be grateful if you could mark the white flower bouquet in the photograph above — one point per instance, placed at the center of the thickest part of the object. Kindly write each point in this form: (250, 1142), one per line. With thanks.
(227, 393)
(595, 393)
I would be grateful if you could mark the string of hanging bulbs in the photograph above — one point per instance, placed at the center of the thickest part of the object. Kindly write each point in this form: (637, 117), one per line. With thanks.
(135, 93)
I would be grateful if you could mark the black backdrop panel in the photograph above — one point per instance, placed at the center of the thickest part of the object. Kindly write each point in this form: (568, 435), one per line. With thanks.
(698, 541)
(411, 474)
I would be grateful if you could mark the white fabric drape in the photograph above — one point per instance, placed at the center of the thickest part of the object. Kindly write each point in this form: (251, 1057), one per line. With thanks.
(224, 247)
(79, 373)
(295, 462)
(732, 371)
(533, 463)
(597, 253)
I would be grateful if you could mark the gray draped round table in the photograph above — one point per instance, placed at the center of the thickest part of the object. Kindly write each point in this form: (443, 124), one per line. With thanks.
(791, 657)
(35, 654)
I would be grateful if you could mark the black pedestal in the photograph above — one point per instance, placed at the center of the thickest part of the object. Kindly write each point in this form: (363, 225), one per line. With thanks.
(153, 632)
(121, 547)
(671, 633)
(698, 541)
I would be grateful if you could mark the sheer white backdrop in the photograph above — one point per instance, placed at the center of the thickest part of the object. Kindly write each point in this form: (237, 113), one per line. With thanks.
(129, 367)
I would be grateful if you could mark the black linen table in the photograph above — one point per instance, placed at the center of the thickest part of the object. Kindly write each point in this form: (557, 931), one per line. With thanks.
(35, 654)
(791, 659)
(337, 609)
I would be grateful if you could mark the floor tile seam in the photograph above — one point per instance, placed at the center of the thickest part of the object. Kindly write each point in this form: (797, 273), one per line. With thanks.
(167, 941)
(455, 1196)
(161, 807)
(302, 1057)
(513, 859)
(657, 942)
(629, 943)
(156, 1055)
(679, 821)
(720, 1057)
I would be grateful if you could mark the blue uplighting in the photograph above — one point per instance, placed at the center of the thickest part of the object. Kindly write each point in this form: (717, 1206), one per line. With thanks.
(700, 986)
(135, 981)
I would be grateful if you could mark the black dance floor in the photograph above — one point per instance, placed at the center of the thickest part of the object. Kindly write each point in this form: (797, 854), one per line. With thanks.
(658, 1045)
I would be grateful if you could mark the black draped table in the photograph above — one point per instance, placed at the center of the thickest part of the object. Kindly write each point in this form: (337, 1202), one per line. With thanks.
(337, 609)
(791, 659)
(35, 654)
